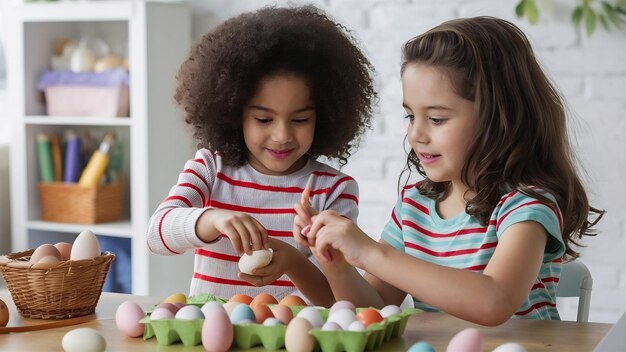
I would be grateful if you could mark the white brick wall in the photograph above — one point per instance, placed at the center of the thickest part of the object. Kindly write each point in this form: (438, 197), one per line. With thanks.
(590, 72)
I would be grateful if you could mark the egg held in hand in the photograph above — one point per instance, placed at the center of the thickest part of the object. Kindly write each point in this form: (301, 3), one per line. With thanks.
(258, 259)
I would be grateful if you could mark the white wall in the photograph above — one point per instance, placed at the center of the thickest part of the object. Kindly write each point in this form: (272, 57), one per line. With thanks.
(590, 72)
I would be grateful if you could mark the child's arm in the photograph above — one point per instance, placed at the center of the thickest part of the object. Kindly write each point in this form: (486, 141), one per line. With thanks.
(487, 298)
(302, 272)
(244, 232)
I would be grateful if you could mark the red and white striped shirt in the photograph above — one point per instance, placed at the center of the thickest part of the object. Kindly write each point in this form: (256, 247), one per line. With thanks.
(206, 183)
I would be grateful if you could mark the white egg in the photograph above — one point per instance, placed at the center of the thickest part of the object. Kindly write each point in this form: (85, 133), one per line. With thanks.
(85, 246)
(390, 310)
(313, 316)
(344, 317)
(189, 312)
(210, 306)
(510, 347)
(356, 326)
(331, 326)
(340, 305)
(83, 340)
(257, 259)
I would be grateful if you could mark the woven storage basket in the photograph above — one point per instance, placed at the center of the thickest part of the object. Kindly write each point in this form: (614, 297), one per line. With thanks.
(71, 203)
(68, 289)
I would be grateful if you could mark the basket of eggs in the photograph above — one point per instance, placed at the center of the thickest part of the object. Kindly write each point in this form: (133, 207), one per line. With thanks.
(57, 281)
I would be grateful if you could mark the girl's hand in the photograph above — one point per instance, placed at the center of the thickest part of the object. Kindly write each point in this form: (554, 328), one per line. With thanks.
(244, 232)
(284, 257)
(301, 224)
(332, 231)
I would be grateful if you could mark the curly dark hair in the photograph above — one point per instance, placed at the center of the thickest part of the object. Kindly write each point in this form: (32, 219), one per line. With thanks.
(225, 67)
(521, 141)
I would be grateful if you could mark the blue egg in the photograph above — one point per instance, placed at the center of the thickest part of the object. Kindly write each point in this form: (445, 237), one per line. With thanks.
(241, 312)
(421, 347)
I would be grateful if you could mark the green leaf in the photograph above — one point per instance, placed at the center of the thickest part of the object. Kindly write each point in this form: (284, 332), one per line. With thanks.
(530, 10)
(612, 14)
(590, 20)
(604, 22)
(519, 9)
(577, 15)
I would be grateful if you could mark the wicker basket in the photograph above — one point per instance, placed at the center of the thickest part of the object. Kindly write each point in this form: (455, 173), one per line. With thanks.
(67, 289)
(71, 203)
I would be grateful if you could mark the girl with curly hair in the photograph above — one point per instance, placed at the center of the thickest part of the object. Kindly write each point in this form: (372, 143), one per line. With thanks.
(483, 236)
(267, 93)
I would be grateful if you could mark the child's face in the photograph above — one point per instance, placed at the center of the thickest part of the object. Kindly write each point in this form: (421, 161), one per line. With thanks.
(441, 123)
(279, 124)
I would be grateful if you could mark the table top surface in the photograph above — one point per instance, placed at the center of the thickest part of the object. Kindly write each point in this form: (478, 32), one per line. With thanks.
(435, 328)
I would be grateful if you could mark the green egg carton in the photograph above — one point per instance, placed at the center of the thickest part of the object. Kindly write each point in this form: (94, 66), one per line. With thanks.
(170, 331)
(201, 299)
(372, 338)
(250, 335)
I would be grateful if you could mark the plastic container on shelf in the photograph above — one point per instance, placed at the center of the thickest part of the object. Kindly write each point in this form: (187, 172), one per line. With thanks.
(103, 94)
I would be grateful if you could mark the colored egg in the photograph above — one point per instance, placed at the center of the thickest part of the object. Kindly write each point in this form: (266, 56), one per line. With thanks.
(176, 298)
(127, 317)
(261, 312)
(241, 312)
(264, 298)
(282, 313)
(313, 316)
(297, 337)
(229, 306)
(241, 298)
(467, 340)
(161, 313)
(4, 314)
(369, 316)
(293, 301)
(217, 331)
(272, 322)
(83, 339)
(169, 306)
(421, 347)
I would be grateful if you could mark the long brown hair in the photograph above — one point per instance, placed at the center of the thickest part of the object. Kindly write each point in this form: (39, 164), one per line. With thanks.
(521, 140)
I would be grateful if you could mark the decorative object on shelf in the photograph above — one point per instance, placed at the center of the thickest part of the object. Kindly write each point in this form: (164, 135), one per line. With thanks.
(103, 94)
(610, 14)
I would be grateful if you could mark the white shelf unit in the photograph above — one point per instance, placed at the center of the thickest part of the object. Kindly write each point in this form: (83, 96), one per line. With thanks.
(156, 142)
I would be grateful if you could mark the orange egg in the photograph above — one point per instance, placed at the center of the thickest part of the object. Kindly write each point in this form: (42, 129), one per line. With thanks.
(369, 316)
(264, 298)
(241, 298)
(293, 300)
(261, 312)
(65, 249)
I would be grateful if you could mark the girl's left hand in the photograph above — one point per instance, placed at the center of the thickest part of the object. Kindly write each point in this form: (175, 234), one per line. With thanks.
(284, 256)
(332, 231)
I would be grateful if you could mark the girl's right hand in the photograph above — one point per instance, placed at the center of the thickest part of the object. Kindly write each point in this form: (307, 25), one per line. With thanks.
(302, 223)
(244, 232)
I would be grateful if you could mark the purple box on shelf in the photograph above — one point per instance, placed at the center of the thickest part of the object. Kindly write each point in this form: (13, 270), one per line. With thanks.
(103, 94)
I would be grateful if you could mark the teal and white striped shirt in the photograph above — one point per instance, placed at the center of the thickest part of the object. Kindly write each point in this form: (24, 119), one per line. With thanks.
(462, 242)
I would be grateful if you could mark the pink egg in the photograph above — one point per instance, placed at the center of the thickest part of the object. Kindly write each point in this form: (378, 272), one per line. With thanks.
(127, 319)
(467, 340)
(169, 306)
(282, 313)
(217, 331)
(161, 313)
